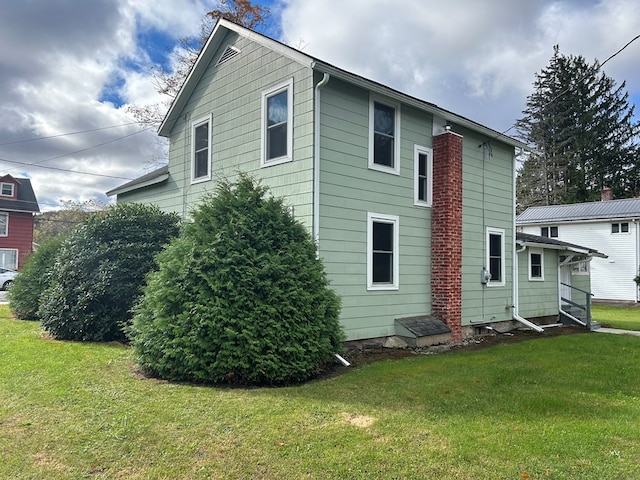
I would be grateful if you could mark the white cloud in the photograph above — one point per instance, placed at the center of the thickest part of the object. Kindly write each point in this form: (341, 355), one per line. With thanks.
(57, 62)
(475, 58)
(61, 63)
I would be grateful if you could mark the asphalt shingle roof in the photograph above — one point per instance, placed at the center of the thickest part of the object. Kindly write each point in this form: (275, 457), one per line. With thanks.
(529, 238)
(626, 208)
(26, 200)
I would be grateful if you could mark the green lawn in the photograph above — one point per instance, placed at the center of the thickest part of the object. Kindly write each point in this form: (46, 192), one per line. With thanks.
(565, 407)
(627, 318)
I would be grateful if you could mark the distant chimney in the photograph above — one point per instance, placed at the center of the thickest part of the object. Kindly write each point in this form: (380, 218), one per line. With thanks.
(606, 194)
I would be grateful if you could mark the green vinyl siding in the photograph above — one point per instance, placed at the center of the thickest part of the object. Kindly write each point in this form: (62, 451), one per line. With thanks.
(487, 202)
(232, 94)
(349, 190)
(538, 298)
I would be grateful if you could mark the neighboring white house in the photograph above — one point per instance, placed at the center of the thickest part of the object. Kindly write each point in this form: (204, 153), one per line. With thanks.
(610, 226)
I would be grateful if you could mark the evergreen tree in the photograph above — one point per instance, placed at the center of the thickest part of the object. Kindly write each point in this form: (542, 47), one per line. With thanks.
(240, 297)
(581, 126)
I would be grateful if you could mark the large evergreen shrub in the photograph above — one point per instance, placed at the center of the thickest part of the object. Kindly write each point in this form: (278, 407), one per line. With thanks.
(239, 298)
(33, 279)
(100, 269)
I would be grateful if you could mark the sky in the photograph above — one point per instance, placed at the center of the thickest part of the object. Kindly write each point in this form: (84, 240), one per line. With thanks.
(70, 69)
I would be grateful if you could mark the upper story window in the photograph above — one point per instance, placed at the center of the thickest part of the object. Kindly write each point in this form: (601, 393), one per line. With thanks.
(620, 227)
(277, 124)
(384, 136)
(382, 251)
(495, 256)
(6, 189)
(4, 224)
(201, 149)
(549, 232)
(536, 264)
(423, 174)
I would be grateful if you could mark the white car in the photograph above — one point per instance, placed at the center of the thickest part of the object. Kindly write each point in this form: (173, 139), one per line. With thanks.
(6, 277)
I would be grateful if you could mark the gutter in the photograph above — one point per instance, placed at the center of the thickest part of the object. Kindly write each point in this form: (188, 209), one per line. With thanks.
(316, 160)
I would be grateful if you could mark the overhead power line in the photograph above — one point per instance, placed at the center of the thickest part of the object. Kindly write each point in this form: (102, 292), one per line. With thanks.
(68, 134)
(38, 164)
(64, 169)
(599, 67)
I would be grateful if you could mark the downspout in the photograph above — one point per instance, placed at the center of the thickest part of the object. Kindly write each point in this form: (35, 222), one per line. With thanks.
(316, 161)
(516, 300)
(637, 264)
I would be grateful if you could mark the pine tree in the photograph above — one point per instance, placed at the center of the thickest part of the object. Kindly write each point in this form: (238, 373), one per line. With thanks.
(581, 127)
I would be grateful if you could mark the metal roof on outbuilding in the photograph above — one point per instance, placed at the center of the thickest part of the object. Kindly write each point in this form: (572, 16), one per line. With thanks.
(626, 208)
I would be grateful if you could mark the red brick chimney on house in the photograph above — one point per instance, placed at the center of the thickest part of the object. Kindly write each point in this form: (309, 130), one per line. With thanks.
(446, 237)
(606, 194)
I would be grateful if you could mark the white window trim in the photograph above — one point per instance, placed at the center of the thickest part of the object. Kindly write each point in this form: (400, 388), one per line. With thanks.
(501, 232)
(383, 218)
(15, 250)
(620, 232)
(540, 252)
(6, 232)
(575, 268)
(396, 152)
(417, 151)
(288, 86)
(13, 189)
(206, 119)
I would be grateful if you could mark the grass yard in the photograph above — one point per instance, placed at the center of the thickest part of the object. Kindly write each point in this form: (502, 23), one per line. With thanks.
(565, 407)
(626, 318)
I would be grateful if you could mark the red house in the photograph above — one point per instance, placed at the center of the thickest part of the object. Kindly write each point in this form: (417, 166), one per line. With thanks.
(18, 205)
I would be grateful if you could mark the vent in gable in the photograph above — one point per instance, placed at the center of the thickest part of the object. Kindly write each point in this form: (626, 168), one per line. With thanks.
(227, 55)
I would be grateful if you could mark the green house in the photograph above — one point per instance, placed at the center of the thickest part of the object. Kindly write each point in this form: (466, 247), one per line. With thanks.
(412, 206)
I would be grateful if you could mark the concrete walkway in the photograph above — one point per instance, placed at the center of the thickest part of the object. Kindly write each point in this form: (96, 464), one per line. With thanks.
(617, 331)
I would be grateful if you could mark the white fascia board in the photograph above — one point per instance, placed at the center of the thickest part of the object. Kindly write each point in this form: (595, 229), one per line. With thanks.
(131, 188)
(433, 109)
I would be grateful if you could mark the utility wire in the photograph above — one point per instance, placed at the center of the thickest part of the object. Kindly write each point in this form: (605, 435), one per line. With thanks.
(38, 164)
(62, 169)
(68, 134)
(580, 79)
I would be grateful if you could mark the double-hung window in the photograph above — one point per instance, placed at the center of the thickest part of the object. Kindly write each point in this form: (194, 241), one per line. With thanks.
(536, 265)
(549, 232)
(277, 124)
(495, 256)
(422, 176)
(9, 258)
(6, 189)
(384, 136)
(620, 227)
(382, 251)
(4, 224)
(201, 150)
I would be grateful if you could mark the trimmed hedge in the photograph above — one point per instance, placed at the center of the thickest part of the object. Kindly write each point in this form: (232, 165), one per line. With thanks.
(24, 294)
(100, 269)
(239, 298)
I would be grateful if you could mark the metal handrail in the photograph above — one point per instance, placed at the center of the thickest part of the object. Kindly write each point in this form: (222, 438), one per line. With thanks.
(586, 307)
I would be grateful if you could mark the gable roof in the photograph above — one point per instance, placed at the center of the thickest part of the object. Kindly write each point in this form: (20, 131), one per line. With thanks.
(26, 200)
(151, 178)
(604, 210)
(224, 26)
(528, 240)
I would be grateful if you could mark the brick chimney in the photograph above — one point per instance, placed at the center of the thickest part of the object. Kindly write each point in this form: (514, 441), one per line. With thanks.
(446, 237)
(606, 194)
